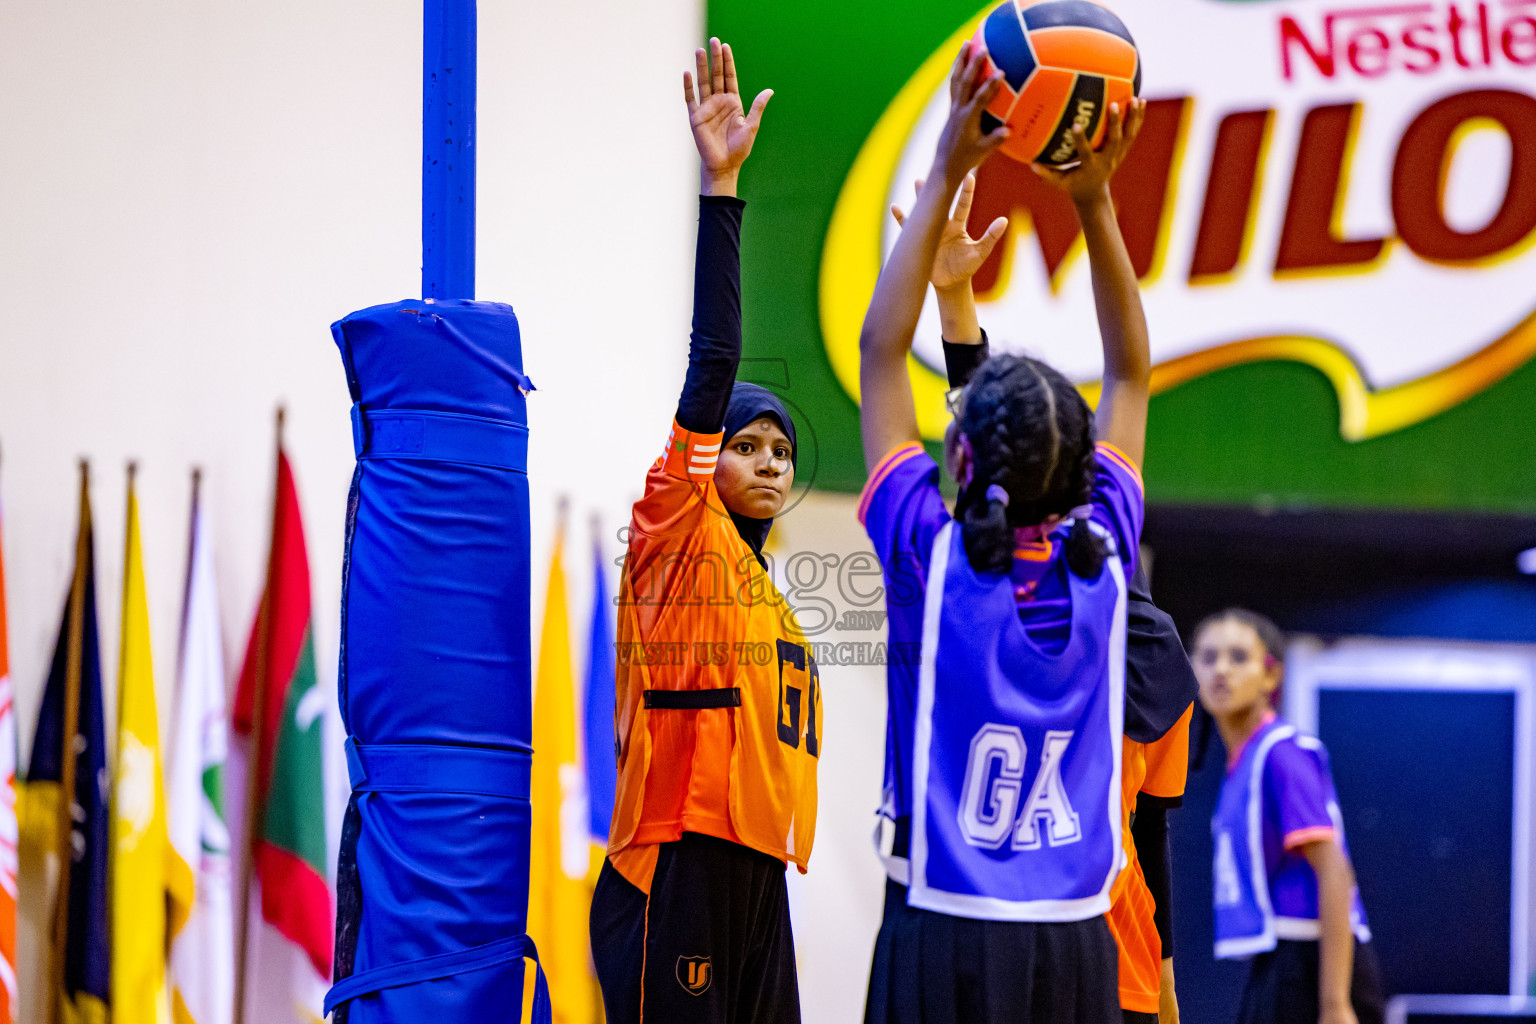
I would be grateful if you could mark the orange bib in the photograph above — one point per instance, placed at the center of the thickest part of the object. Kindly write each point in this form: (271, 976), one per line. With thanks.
(718, 700)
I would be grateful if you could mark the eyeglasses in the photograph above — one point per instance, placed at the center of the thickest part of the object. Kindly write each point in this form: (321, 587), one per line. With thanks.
(954, 400)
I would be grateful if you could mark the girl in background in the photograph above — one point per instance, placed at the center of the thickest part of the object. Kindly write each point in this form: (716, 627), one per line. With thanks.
(1285, 889)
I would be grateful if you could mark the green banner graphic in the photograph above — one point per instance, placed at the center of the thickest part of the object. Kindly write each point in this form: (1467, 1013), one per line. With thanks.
(1332, 209)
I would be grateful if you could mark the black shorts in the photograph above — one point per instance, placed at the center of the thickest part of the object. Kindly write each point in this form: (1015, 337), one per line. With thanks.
(1282, 986)
(710, 945)
(1137, 1017)
(933, 968)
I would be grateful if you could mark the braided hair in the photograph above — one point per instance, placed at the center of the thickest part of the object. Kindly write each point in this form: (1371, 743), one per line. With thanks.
(1032, 442)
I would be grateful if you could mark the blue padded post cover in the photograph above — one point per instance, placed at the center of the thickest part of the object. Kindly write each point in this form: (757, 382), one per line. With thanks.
(434, 679)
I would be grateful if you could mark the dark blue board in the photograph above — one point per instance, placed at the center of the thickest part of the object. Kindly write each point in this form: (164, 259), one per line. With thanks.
(1426, 785)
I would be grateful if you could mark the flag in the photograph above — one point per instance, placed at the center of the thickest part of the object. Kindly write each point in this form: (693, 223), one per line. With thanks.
(8, 830)
(602, 756)
(559, 900)
(144, 899)
(202, 952)
(285, 968)
(74, 832)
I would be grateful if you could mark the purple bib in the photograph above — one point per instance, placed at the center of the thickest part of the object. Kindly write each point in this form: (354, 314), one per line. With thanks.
(1248, 885)
(1016, 760)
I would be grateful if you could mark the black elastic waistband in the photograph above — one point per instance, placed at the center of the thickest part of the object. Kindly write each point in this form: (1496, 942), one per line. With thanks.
(693, 700)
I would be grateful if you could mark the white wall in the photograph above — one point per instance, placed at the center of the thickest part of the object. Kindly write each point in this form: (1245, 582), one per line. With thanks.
(191, 191)
(200, 190)
(191, 194)
(836, 905)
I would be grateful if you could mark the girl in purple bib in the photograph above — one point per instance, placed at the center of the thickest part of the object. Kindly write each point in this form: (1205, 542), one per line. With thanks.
(1285, 891)
(1006, 696)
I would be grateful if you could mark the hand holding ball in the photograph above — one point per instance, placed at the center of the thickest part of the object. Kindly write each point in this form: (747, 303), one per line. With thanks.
(1063, 62)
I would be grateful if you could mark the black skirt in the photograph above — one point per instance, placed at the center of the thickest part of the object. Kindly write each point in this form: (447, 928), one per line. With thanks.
(932, 968)
(1282, 986)
(711, 944)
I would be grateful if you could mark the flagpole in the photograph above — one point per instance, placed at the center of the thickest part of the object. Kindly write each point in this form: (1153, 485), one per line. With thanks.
(186, 588)
(72, 667)
(253, 766)
(597, 545)
(122, 639)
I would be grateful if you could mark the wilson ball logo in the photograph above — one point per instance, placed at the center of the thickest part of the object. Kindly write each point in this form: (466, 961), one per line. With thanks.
(1352, 187)
(1067, 147)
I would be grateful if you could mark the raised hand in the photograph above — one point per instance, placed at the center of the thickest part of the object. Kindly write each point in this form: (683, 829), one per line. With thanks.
(722, 132)
(962, 144)
(959, 255)
(1089, 180)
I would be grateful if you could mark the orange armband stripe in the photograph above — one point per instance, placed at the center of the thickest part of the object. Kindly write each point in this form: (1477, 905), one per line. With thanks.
(1303, 836)
(882, 470)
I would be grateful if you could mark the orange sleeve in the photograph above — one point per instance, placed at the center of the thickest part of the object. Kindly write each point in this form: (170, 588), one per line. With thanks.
(1168, 760)
(680, 484)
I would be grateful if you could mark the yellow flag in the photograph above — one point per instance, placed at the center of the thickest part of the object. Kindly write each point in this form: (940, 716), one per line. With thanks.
(150, 882)
(559, 899)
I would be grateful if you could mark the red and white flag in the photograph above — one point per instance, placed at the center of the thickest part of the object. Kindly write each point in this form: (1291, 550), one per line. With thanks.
(280, 710)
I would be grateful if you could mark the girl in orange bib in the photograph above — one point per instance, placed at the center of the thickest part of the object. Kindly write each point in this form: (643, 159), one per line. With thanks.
(718, 713)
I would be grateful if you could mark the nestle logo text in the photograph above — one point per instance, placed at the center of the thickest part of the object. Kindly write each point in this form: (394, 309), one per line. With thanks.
(1414, 38)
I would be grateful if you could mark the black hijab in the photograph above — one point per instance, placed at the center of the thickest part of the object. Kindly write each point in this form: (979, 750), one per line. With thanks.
(750, 403)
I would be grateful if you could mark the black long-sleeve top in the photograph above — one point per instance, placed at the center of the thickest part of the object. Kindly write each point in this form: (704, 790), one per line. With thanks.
(714, 349)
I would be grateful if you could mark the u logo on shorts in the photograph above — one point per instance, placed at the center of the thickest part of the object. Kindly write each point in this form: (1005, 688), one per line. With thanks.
(694, 974)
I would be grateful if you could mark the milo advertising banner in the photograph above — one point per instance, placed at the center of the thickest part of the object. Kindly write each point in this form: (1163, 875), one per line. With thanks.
(1331, 209)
